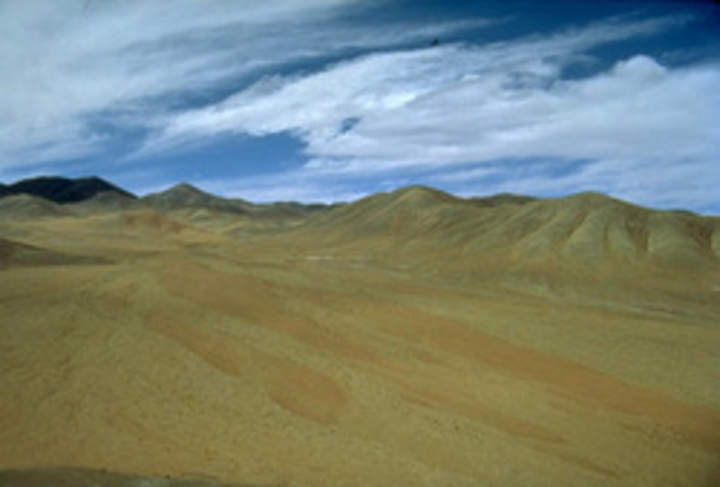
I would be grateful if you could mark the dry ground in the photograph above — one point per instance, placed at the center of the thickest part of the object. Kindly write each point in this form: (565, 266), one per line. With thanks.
(161, 348)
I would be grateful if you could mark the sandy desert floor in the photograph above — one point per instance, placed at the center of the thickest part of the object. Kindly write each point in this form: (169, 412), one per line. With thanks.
(169, 350)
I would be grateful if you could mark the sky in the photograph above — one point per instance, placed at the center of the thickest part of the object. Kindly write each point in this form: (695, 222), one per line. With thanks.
(331, 100)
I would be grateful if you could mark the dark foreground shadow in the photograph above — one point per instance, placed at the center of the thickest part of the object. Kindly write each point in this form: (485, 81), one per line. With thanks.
(78, 477)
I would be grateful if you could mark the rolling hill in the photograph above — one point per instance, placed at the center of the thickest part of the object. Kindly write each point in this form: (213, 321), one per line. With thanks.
(56, 196)
(407, 338)
(589, 226)
(184, 195)
(589, 229)
(586, 244)
(28, 206)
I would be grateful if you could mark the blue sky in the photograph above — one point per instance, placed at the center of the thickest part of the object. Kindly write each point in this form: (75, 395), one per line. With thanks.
(327, 100)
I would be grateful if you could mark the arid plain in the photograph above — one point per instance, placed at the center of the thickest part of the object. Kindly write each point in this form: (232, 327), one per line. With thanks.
(407, 339)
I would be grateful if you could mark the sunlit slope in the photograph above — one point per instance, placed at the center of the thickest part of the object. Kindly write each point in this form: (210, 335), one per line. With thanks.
(547, 245)
(105, 201)
(587, 226)
(187, 196)
(230, 216)
(17, 254)
(24, 206)
(363, 350)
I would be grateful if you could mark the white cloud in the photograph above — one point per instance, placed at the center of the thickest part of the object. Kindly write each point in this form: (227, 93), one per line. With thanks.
(646, 131)
(408, 94)
(67, 63)
(639, 124)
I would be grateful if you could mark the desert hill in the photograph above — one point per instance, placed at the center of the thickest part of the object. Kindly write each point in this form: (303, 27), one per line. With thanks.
(408, 338)
(14, 253)
(86, 197)
(28, 206)
(232, 216)
(590, 227)
(500, 199)
(104, 201)
(184, 195)
(586, 243)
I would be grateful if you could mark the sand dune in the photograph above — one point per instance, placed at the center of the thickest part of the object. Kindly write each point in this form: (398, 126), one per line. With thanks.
(410, 338)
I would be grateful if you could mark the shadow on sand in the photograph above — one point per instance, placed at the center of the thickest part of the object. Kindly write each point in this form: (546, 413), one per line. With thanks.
(78, 477)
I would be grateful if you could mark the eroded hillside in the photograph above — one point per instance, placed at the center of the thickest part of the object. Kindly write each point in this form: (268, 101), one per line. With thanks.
(410, 338)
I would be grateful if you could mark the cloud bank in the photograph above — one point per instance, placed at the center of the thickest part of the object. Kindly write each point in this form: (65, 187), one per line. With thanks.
(370, 110)
(637, 126)
(76, 72)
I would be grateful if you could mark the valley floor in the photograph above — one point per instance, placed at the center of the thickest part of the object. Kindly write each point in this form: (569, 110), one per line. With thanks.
(246, 362)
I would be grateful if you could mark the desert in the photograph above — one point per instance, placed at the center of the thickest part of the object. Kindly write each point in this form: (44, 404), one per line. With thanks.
(408, 338)
(359, 243)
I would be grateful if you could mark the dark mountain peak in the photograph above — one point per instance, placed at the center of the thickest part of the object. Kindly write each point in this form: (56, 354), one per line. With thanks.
(64, 190)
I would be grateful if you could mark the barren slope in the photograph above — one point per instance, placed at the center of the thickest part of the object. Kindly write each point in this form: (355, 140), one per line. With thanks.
(24, 206)
(586, 244)
(370, 347)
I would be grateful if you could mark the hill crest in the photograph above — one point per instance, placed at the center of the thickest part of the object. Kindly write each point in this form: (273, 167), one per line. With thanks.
(25, 205)
(589, 229)
(184, 195)
(62, 190)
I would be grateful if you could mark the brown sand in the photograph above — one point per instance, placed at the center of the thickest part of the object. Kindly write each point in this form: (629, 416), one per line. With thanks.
(151, 346)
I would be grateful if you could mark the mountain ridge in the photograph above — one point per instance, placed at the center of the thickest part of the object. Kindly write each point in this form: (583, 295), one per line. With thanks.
(589, 228)
(572, 242)
(24, 205)
(62, 190)
(183, 194)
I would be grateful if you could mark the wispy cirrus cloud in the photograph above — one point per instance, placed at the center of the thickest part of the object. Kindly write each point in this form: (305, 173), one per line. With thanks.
(367, 105)
(414, 95)
(637, 124)
(68, 65)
